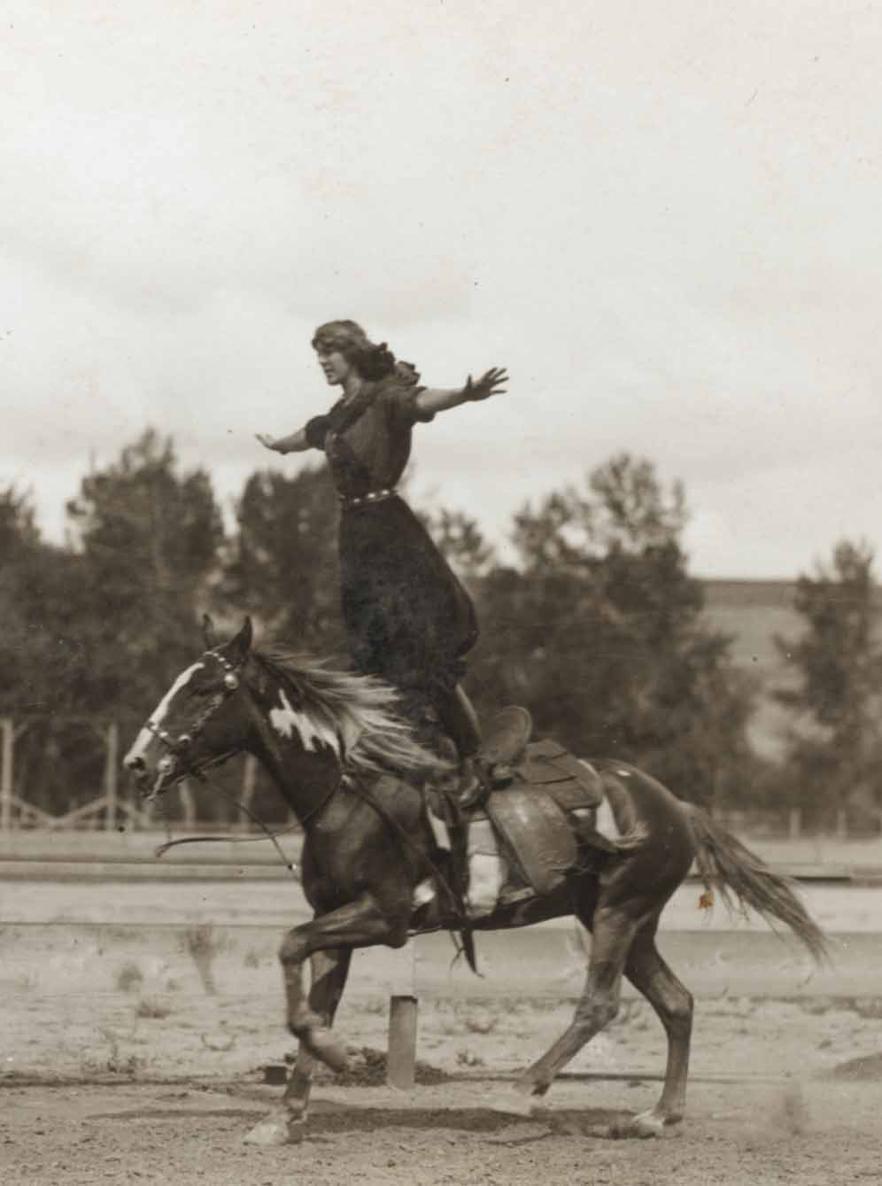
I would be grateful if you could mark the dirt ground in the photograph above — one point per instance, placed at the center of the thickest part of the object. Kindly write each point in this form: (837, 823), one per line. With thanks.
(814, 1133)
(134, 1053)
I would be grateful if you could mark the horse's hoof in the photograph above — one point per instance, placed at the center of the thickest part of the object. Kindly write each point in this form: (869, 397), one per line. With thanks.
(513, 1103)
(277, 1129)
(642, 1127)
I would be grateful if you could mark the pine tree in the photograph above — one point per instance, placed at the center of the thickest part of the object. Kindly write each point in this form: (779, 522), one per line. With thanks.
(149, 541)
(281, 565)
(599, 631)
(834, 756)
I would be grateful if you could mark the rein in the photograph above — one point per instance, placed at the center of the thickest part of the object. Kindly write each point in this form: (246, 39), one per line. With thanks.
(268, 835)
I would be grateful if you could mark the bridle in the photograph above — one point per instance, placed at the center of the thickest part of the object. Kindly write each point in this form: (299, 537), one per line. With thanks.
(177, 746)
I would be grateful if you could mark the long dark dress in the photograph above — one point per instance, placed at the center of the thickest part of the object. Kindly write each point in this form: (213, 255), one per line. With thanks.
(407, 617)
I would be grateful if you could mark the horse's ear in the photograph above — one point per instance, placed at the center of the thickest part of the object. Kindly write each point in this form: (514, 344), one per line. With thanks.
(238, 647)
(209, 633)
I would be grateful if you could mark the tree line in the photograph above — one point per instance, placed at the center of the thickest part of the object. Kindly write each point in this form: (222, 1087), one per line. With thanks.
(594, 623)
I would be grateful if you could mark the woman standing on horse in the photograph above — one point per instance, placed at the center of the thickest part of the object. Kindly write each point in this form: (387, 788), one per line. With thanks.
(407, 617)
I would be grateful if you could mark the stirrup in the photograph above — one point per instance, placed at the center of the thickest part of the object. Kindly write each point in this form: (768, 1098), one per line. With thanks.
(496, 774)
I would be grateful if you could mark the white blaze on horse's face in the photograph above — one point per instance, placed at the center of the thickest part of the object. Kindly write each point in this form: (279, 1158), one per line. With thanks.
(605, 821)
(146, 738)
(287, 721)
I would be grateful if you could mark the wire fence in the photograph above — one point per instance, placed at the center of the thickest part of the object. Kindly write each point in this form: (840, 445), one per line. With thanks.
(64, 773)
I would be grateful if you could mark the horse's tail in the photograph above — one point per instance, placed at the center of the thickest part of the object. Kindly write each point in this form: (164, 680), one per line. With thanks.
(724, 863)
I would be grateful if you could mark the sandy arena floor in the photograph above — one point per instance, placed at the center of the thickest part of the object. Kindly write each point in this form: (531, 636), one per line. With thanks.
(135, 1052)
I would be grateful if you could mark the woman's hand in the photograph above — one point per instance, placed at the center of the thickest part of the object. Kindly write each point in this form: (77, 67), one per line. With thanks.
(435, 399)
(295, 443)
(490, 383)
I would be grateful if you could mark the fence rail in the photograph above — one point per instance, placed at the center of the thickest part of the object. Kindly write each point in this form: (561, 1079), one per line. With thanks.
(97, 797)
(112, 806)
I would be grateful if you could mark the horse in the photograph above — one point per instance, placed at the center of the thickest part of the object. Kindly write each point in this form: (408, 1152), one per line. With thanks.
(352, 770)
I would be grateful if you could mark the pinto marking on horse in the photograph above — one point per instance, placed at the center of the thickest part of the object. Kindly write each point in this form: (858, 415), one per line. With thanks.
(161, 711)
(604, 819)
(423, 893)
(287, 721)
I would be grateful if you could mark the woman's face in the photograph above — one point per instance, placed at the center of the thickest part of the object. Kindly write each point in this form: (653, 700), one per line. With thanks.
(335, 365)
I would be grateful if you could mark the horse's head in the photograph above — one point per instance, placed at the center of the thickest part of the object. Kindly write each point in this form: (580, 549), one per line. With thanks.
(199, 721)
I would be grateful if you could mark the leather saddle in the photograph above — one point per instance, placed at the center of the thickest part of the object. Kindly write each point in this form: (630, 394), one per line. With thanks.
(537, 787)
(512, 759)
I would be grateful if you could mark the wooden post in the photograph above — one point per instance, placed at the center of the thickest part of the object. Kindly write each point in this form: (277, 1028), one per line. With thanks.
(841, 824)
(795, 823)
(402, 1041)
(249, 782)
(188, 804)
(111, 775)
(7, 732)
(401, 1056)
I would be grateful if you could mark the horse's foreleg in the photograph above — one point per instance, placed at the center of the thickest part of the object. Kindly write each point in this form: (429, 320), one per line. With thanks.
(650, 975)
(329, 971)
(357, 924)
(286, 1125)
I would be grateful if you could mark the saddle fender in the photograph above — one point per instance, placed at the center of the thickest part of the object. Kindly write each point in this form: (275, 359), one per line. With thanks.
(535, 831)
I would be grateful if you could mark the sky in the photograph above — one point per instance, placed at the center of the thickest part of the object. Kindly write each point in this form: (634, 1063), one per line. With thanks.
(664, 219)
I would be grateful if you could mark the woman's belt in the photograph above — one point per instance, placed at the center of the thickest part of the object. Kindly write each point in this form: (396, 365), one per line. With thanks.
(360, 500)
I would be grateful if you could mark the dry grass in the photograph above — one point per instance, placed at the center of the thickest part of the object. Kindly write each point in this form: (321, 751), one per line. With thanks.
(149, 1007)
(129, 977)
(204, 944)
(115, 1061)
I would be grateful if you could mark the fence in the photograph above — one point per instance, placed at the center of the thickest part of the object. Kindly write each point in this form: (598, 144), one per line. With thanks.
(69, 777)
(94, 795)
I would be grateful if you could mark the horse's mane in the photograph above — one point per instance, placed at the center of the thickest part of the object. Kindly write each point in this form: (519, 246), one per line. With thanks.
(361, 709)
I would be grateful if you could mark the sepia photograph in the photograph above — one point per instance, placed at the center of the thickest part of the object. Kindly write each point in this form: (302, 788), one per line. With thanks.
(441, 715)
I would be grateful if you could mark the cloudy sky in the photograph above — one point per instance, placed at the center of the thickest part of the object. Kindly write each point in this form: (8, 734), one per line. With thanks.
(663, 218)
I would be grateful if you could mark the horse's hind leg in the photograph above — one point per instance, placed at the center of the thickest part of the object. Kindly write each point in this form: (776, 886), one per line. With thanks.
(613, 932)
(649, 973)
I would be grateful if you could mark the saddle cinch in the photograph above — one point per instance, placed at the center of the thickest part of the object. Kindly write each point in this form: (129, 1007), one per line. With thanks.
(532, 809)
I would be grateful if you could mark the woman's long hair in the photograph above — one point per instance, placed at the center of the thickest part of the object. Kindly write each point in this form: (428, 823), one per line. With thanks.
(373, 362)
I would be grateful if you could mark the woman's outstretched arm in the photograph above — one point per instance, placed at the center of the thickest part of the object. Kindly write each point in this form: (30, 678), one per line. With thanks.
(437, 399)
(295, 443)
